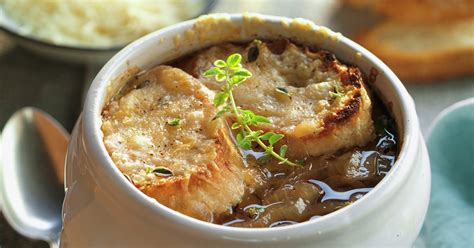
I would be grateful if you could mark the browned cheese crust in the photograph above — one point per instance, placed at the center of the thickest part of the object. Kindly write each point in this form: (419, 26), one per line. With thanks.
(208, 175)
(312, 119)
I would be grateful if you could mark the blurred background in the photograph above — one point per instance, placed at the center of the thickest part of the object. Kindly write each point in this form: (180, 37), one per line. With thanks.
(51, 50)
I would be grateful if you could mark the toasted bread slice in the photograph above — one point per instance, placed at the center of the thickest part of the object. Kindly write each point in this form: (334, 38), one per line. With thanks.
(312, 119)
(164, 120)
(424, 51)
(417, 10)
(422, 10)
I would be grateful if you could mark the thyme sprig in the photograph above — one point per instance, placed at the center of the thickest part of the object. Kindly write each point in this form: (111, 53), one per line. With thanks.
(232, 73)
(336, 93)
(174, 122)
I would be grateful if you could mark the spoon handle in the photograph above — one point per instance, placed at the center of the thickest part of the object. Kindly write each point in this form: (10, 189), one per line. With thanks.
(54, 244)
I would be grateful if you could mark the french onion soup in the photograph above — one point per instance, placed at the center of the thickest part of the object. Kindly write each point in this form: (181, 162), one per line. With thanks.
(261, 134)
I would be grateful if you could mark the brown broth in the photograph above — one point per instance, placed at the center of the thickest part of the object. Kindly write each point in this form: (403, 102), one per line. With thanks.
(286, 195)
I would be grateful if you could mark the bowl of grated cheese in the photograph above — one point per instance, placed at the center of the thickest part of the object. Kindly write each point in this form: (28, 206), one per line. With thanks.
(74, 31)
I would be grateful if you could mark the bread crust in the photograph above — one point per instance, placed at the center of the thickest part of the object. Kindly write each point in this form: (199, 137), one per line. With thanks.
(424, 64)
(207, 192)
(207, 167)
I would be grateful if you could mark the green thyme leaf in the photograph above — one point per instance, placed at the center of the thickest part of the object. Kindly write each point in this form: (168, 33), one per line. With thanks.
(221, 112)
(247, 115)
(212, 72)
(239, 137)
(148, 170)
(275, 138)
(235, 125)
(221, 77)
(267, 136)
(220, 98)
(252, 54)
(300, 161)
(254, 135)
(220, 63)
(257, 42)
(162, 171)
(259, 119)
(234, 60)
(174, 122)
(237, 80)
(265, 158)
(334, 95)
(255, 211)
(246, 144)
(243, 73)
(337, 93)
(283, 150)
(282, 90)
(243, 141)
(232, 74)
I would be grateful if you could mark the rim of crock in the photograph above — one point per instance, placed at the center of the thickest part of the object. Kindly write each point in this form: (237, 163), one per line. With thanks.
(108, 176)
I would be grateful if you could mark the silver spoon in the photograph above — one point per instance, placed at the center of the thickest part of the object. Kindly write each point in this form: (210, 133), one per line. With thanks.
(33, 147)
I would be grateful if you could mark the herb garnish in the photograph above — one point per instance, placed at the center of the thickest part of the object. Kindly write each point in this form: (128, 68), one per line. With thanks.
(233, 74)
(174, 122)
(337, 92)
(254, 51)
(253, 54)
(255, 211)
(283, 90)
(300, 161)
(162, 171)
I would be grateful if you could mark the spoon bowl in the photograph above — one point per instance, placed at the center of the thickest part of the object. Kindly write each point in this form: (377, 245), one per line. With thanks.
(33, 148)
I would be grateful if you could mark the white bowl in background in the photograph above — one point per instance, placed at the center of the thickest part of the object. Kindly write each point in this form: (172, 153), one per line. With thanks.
(69, 53)
(103, 209)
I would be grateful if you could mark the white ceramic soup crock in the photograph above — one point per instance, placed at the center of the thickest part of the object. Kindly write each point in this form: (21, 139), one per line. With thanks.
(102, 209)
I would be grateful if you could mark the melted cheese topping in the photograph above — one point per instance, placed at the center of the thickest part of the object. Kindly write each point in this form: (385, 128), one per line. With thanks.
(137, 133)
(303, 74)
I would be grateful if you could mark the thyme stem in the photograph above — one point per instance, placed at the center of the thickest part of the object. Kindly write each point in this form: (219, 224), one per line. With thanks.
(248, 129)
(233, 74)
